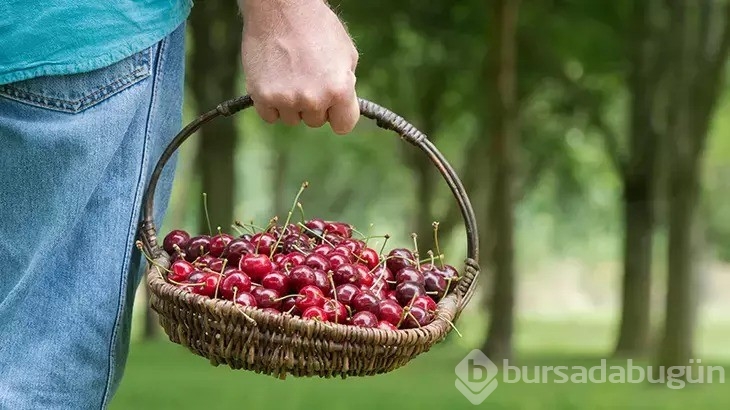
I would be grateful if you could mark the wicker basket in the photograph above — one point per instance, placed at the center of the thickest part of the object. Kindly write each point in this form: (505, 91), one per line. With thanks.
(277, 345)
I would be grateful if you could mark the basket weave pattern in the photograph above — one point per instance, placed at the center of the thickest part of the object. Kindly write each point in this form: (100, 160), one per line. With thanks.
(251, 339)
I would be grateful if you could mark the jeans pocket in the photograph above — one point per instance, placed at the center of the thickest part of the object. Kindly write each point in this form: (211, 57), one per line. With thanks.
(74, 93)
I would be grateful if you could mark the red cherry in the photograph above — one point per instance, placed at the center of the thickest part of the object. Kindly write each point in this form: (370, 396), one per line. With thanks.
(345, 293)
(425, 303)
(365, 278)
(416, 317)
(386, 326)
(277, 281)
(180, 271)
(337, 259)
(336, 311)
(382, 276)
(346, 273)
(364, 319)
(309, 296)
(369, 257)
(409, 274)
(391, 295)
(381, 292)
(236, 282)
(291, 260)
(256, 266)
(342, 250)
(278, 258)
(315, 224)
(177, 237)
(390, 311)
(263, 242)
(289, 305)
(210, 284)
(317, 261)
(435, 284)
(197, 247)
(354, 245)
(333, 238)
(315, 313)
(295, 243)
(323, 249)
(216, 265)
(245, 299)
(399, 258)
(204, 261)
(339, 228)
(407, 291)
(365, 300)
(302, 276)
(196, 277)
(219, 243)
(266, 297)
(236, 249)
(322, 281)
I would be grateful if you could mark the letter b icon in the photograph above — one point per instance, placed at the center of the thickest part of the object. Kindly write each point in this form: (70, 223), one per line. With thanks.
(476, 376)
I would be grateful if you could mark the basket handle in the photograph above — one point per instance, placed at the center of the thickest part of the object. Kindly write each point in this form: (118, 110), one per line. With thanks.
(385, 119)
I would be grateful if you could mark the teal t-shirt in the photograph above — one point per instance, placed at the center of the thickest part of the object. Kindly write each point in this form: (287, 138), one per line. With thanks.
(50, 37)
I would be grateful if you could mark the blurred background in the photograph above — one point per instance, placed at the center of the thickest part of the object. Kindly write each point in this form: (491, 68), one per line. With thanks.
(592, 139)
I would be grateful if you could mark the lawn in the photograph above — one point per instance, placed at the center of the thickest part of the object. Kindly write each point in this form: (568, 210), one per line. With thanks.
(161, 375)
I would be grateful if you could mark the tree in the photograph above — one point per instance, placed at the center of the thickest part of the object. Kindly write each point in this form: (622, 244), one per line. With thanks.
(504, 110)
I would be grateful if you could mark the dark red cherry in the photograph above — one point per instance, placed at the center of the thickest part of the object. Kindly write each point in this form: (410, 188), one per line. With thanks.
(399, 258)
(342, 250)
(336, 311)
(210, 284)
(435, 284)
(309, 296)
(382, 275)
(315, 224)
(391, 295)
(245, 299)
(177, 237)
(364, 319)
(216, 265)
(302, 276)
(315, 313)
(345, 293)
(354, 245)
(180, 271)
(256, 266)
(266, 297)
(323, 249)
(390, 311)
(277, 281)
(296, 242)
(196, 277)
(365, 300)
(236, 249)
(263, 242)
(197, 247)
(333, 238)
(369, 257)
(289, 305)
(204, 261)
(317, 261)
(416, 317)
(233, 284)
(346, 273)
(278, 258)
(322, 281)
(425, 303)
(407, 291)
(409, 274)
(291, 260)
(386, 326)
(339, 228)
(337, 259)
(219, 243)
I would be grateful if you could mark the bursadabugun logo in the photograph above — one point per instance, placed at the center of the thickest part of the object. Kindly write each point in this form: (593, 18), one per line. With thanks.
(476, 377)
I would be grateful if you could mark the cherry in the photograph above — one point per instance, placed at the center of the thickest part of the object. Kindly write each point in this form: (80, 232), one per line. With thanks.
(245, 299)
(364, 319)
(309, 296)
(354, 245)
(416, 317)
(390, 311)
(263, 242)
(246, 237)
(210, 283)
(219, 243)
(256, 266)
(236, 249)
(229, 269)
(317, 261)
(204, 260)
(315, 313)
(365, 278)
(383, 275)
(342, 250)
(391, 295)
(323, 249)
(296, 242)
(407, 291)
(333, 238)
(216, 265)
(339, 228)
(277, 281)
(336, 311)
(321, 280)
(180, 271)
(435, 284)
(381, 292)
(386, 326)
(279, 231)
(289, 305)
(345, 293)
(345, 273)
(177, 237)
(291, 260)
(365, 300)
(409, 274)
(316, 225)
(266, 297)
(369, 257)
(278, 258)
(425, 303)
(302, 276)
(196, 277)
(197, 247)
(236, 282)
(399, 258)
(337, 259)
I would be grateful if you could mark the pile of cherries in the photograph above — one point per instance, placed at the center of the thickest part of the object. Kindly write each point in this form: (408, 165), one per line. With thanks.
(315, 270)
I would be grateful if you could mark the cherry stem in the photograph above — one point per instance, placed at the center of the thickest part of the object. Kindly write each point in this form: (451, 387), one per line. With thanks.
(141, 249)
(220, 276)
(435, 225)
(207, 217)
(386, 236)
(238, 231)
(316, 234)
(330, 276)
(301, 211)
(430, 254)
(305, 184)
(358, 232)
(286, 297)
(415, 253)
(450, 324)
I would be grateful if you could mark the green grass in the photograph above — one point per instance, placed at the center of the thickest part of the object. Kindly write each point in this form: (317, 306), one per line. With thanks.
(161, 375)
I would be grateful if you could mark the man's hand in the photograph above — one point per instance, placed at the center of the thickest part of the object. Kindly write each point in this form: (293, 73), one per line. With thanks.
(299, 63)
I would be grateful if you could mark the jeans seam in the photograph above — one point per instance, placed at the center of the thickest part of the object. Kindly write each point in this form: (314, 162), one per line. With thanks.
(94, 97)
(132, 233)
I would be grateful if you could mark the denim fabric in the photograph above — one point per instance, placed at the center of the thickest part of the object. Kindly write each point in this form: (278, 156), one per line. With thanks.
(76, 153)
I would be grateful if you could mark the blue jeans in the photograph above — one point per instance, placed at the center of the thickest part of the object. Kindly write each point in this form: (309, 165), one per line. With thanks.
(75, 154)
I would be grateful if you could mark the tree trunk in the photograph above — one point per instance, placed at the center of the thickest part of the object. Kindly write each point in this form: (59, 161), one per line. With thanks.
(498, 345)
(216, 28)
